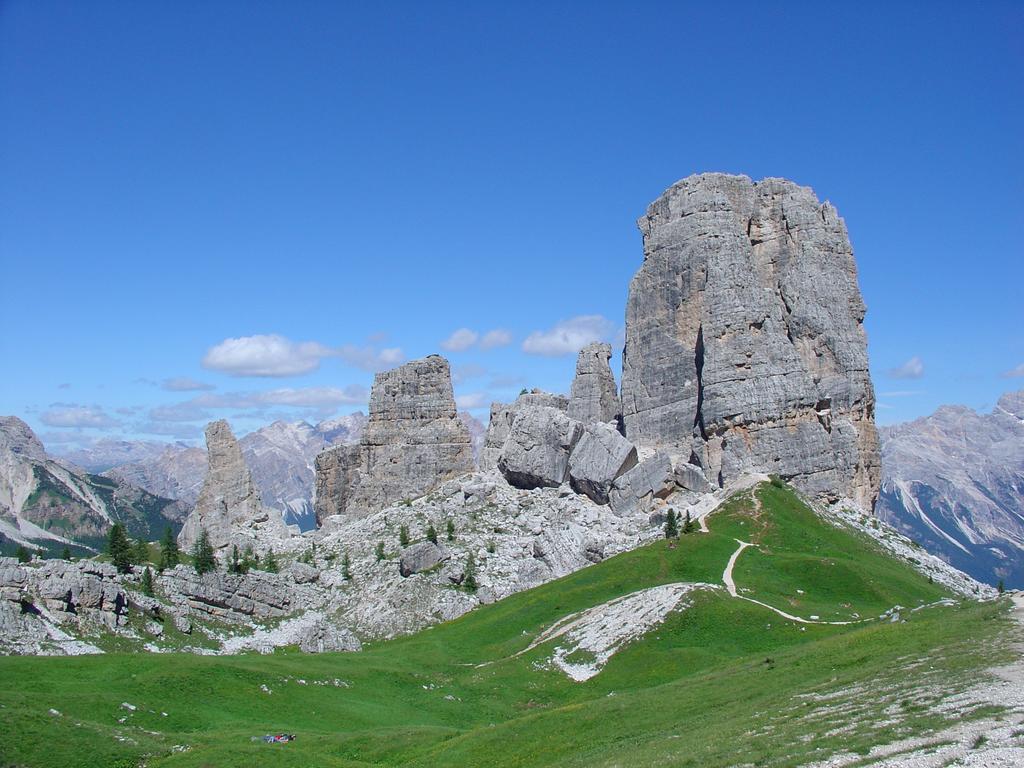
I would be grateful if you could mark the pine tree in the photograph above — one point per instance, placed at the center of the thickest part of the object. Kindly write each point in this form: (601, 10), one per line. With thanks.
(346, 567)
(170, 555)
(235, 566)
(450, 529)
(65, 554)
(688, 525)
(380, 551)
(249, 560)
(469, 575)
(431, 533)
(403, 535)
(147, 582)
(1000, 587)
(671, 525)
(22, 554)
(270, 562)
(119, 548)
(203, 559)
(140, 552)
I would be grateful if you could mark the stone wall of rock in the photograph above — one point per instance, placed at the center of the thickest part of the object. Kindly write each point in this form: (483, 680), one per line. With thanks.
(745, 345)
(594, 396)
(229, 506)
(414, 439)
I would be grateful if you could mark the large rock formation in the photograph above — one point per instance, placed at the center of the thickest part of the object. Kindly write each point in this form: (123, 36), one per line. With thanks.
(337, 477)
(954, 482)
(229, 506)
(745, 346)
(536, 452)
(502, 416)
(414, 439)
(594, 396)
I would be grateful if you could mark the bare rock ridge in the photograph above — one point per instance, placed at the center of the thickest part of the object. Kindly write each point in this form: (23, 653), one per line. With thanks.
(594, 396)
(414, 439)
(229, 506)
(745, 346)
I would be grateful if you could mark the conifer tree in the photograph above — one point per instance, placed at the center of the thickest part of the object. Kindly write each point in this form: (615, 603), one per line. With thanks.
(450, 529)
(270, 562)
(1000, 587)
(671, 525)
(403, 535)
(688, 525)
(65, 554)
(140, 552)
(147, 582)
(469, 575)
(346, 567)
(203, 559)
(119, 548)
(170, 555)
(380, 551)
(22, 554)
(235, 566)
(431, 533)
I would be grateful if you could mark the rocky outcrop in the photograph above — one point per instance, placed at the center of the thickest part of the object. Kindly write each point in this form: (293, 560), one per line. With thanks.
(635, 490)
(601, 456)
(537, 449)
(337, 477)
(502, 416)
(954, 482)
(324, 637)
(414, 439)
(420, 557)
(745, 347)
(594, 396)
(229, 507)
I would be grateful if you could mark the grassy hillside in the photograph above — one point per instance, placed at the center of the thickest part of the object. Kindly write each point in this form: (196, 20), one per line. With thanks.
(722, 683)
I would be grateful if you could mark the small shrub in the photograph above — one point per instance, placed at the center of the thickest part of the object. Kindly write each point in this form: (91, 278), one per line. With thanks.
(380, 551)
(431, 533)
(346, 567)
(490, 546)
(403, 535)
(450, 530)
(469, 575)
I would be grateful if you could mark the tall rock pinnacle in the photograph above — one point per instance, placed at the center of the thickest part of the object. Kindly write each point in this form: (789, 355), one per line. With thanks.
(745, 345)
(594, 396)
(229, 506)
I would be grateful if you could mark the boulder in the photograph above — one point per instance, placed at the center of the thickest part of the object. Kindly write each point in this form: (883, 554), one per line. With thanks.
(600, 456)
(324, 637)
(536, 452)
(502, 416)
(745, 343)
(691, 478)
(635, 490)
(594, 396)
(420, 557)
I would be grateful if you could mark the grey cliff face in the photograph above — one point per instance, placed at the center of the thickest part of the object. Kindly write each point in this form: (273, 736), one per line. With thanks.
(594, 396)
(745, 346)
(229, 506)
(414, 439)
(536, 452)
(337, 477)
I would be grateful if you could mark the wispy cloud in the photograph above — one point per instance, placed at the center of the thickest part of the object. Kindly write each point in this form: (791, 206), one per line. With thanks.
(466, 338)
(567, 337)
(1014, 373)
(185, 384)
(72, 415)
(472, 400)
(370, 358)
(912, 369)
(317, 399)
(265, 356)
(499, 337)
(460, 340)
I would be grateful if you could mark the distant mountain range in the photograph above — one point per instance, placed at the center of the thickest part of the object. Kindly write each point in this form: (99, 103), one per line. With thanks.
(280, 457)
(49, 504)
(954, 482)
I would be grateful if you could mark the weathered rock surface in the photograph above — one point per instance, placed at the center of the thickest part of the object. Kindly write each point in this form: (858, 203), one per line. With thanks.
(745, 344)
(229, 506)
(600, 456)
(594, 396)
(536, 452)
(954, 482)
(325, 637)
(337, 477)
(636, 490)
(421, 557)
(414, 439)
(233, 597)
(501, 418)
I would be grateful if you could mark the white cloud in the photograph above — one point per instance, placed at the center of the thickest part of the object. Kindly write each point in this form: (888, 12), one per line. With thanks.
(369, 358)
(190, 410)
(499, 337)
(567, 337)
(265, 355)
(460, 340)
(314, 397)
(69, 415)
(1014, 373)
(472, 400)
(185, 384)
(912, 369)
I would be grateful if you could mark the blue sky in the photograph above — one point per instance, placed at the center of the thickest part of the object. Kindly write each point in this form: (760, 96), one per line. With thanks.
(336, 188)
